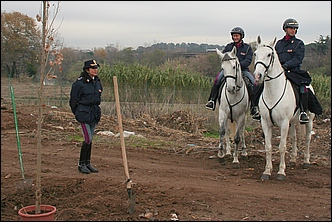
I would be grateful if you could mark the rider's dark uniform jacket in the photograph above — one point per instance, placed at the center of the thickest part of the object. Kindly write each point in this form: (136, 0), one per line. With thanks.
(244, 54)
(85, 98)
(290, 52)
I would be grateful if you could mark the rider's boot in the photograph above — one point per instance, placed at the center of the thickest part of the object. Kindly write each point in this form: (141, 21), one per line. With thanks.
(254, 111)
(211, 104)
(303, 118)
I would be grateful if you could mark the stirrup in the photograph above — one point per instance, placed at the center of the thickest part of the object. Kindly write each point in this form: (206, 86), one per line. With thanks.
(210, 105)
(255, 113)
(257, 117)
(303, 118)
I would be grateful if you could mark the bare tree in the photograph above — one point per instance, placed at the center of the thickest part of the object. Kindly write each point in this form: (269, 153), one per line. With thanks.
(52, 58)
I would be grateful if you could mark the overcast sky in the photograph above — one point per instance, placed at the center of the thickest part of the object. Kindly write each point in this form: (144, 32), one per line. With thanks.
(89, 24)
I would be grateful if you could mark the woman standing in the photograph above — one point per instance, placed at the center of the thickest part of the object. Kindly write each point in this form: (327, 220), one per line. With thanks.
(85, 98)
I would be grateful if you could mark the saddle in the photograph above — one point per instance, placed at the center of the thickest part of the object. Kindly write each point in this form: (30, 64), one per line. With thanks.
(313, 104)
(249, 84)
(222, 83)
(296, 90)
(299, 77)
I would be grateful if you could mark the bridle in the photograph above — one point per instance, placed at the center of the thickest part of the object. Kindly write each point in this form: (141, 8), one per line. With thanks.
(267, 67)
(228, 58)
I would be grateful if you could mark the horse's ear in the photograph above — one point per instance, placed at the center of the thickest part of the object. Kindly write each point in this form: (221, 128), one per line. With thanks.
(259, 40)
(234, 50)
(219, 53)
(274, 41)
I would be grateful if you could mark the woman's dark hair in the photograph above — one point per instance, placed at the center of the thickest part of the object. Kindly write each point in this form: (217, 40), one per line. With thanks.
(84, 76)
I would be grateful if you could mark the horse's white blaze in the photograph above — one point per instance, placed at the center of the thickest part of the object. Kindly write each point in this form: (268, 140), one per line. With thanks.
(234, 104)
(277, 105)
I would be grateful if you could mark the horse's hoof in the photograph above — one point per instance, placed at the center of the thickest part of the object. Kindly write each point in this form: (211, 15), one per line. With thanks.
(306, 165)
(220, 155)
(236, 165)
(228, 155)
(244, 157)
(221, 160)
(281, 177)
(265, 177)
(292, 164)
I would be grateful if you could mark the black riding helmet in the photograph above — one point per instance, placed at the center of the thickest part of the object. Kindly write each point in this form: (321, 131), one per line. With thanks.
(290, 23)
(238, 30)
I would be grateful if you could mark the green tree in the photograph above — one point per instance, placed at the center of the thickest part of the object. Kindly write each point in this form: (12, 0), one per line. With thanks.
(20, 44)
(153, 58)
(318, 56)
(321, 45)
(127, 56)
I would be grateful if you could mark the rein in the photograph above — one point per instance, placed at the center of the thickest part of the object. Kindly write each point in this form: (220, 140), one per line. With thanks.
(231, 106)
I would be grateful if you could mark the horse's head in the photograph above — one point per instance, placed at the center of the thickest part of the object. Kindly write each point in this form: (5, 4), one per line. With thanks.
(264, 59)
(232, 70)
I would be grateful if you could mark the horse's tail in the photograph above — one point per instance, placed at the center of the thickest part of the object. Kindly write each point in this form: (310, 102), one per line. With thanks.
(232, 128)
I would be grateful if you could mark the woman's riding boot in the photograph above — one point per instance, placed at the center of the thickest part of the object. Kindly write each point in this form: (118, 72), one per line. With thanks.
(82, 162)
(88, 158)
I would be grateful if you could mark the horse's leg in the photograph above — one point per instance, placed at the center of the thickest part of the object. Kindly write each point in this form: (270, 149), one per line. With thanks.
(244, 153)
(237, 140)
(268, 151)
(284, 128)
(292, 135)
(230, 132)
(306, 161)
(222, 132)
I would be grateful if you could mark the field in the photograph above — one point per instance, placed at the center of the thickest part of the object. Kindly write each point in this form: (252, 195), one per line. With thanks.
(175, 172)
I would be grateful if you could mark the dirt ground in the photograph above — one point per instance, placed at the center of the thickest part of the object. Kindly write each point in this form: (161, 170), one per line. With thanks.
(175, 173)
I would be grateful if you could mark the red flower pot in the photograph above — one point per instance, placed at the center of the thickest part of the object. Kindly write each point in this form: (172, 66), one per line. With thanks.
(47, 213)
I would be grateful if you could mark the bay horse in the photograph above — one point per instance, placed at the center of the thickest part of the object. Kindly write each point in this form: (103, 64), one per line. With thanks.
(277, 105)
(233, 105)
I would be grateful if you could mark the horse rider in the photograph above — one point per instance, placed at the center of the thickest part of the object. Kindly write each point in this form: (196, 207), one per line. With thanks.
(244, 54)
(291, 53)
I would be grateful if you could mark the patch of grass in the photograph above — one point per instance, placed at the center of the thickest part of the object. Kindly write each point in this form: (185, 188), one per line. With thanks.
(148, 143)
(215, 134)
(141, 142)
(75, 138)
(211, 134)
(249, 128)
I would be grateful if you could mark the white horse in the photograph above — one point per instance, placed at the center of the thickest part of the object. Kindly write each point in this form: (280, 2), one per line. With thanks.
(277, 106)
(233, 105)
